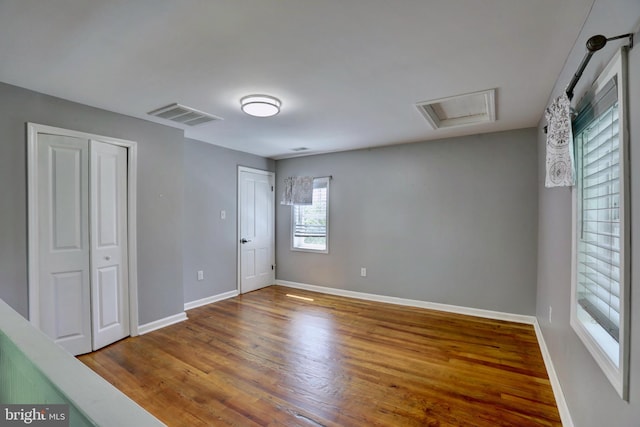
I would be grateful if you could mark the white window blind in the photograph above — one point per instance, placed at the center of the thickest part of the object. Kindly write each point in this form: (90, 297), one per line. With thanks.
(598, 251)
(310, 222)
(601, 224)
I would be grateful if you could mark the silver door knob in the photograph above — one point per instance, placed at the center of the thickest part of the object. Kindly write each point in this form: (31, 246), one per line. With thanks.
(243, 241)
(107, 257)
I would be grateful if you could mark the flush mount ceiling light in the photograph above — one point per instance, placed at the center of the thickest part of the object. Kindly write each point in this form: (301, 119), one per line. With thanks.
(260, 105)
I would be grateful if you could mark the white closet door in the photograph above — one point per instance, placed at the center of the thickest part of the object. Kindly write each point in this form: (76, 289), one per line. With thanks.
(109, 282)
(63, 227)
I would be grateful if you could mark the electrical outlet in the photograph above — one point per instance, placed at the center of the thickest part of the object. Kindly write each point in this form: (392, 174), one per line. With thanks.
(200, 275)
(223, 214)
(550, 311)
(363, 272)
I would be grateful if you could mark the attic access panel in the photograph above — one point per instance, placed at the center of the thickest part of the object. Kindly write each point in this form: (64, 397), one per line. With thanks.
(460, 110)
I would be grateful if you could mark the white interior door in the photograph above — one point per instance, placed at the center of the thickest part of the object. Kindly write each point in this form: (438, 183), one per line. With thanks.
(63, 228)
(109, 272)
(256, 229)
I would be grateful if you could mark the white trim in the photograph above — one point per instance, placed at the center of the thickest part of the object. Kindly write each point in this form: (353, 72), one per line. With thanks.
(132, 222)
(33, 129)
(561, 403)
(488, 314)
(563, 408)
(162, 323)
(33, 259)
(208, 300)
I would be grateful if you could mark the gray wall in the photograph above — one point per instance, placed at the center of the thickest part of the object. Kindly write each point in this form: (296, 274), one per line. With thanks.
(211, 185)
(450, 221)
(160, 195)
(591, 398)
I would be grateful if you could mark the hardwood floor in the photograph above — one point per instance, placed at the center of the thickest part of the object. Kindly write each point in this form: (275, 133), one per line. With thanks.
(265, 359)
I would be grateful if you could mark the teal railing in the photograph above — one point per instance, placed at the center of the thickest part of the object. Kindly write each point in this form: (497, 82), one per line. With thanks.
(22, 383)
(36, 371)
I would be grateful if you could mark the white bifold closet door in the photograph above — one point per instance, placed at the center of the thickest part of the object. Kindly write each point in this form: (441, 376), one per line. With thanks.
(82, 196)
(108, 219)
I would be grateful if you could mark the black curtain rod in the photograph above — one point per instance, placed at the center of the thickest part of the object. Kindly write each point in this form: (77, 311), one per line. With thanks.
(594, 44)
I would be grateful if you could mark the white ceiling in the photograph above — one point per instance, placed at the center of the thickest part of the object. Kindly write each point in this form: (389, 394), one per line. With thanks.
(348, 72)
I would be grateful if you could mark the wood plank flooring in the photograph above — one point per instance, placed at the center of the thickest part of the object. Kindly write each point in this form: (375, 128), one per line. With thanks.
(265, 359)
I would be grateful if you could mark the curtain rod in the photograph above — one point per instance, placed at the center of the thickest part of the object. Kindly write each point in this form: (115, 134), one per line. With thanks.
(594, 44)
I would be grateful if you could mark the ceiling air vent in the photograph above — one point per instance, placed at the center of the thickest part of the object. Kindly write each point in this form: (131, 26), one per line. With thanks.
(461, 110)
(185, 115)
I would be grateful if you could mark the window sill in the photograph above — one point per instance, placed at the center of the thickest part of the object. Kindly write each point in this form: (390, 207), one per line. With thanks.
(311, 250)
(604, 349)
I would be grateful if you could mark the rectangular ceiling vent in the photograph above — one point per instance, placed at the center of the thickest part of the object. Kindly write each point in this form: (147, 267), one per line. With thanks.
(460, 110)
(185, 115)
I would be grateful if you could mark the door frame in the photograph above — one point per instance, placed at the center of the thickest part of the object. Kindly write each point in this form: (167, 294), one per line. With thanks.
(239, 221)
(33, 129)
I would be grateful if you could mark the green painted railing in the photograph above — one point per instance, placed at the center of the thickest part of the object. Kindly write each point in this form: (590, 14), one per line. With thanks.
(22, 383)
(36, 371)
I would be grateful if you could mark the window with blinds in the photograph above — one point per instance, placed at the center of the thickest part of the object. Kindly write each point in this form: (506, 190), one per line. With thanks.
(311, 222)
(598, 178)
(600, 306)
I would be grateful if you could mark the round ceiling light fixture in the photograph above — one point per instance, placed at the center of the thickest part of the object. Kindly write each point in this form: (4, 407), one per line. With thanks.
(260, 105)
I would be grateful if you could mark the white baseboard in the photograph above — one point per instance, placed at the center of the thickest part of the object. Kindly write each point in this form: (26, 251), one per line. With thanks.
(565, 415)
(496, 315)
(176, 318)
(211, 299)
(161, 323)
(563, 409)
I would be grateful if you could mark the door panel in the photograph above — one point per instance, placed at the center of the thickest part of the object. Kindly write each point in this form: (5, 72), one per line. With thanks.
(108, 296)
(256, 229)
(263, 262)
(106, 211)
(66, 197)
(249, 270)
(64, 294)
(67, 291)
(109, 284)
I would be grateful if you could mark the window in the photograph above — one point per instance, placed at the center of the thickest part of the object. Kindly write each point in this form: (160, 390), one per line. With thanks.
(599, 311)
(310, 223)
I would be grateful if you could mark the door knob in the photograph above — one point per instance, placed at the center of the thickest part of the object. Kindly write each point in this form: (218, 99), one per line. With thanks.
(243, 241)
(107, 257)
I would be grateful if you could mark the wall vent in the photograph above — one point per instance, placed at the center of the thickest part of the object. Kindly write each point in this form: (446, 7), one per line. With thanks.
(460, 110)
(185, 115)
